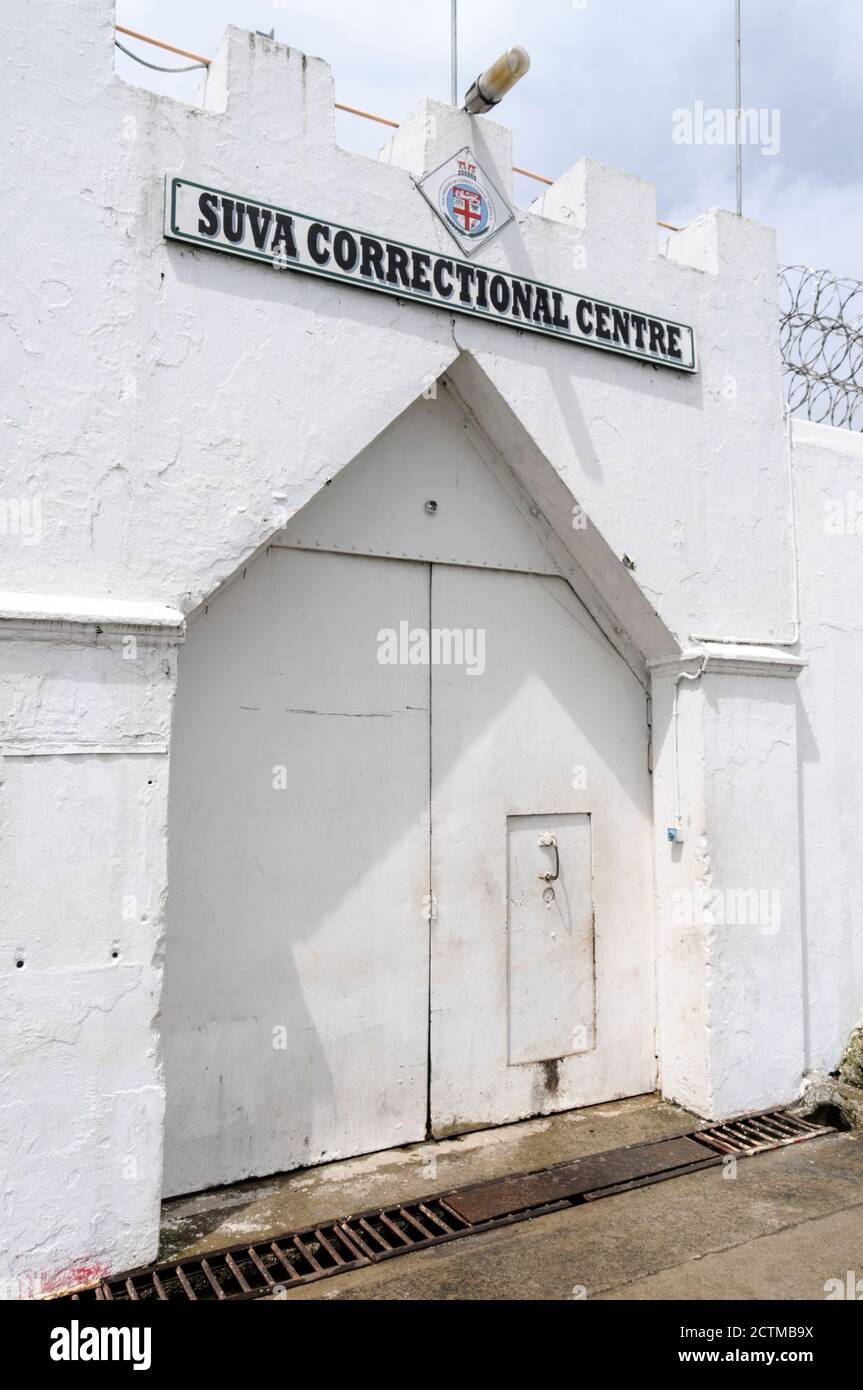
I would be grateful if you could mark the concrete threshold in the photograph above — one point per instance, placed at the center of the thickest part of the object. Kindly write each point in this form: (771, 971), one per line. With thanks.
(264, 1207)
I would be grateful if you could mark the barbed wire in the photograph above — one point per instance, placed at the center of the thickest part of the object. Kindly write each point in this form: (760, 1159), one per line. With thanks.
(821, 337)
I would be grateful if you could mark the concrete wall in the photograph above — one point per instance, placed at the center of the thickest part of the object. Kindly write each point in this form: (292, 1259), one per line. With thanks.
(728, 918)
(164, 402)
(828, 473)
(85, 713)
(166, 409)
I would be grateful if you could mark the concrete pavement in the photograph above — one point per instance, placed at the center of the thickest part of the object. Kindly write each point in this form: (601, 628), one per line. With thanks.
(779, 1225)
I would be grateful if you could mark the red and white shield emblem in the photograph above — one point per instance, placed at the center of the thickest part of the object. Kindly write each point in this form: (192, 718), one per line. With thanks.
(466, 200)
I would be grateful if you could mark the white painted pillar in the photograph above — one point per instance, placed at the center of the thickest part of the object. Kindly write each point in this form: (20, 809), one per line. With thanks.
(730, 958)
(85, 706)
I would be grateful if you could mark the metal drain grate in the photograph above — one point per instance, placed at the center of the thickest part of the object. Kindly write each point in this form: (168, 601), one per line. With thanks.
(301, 1257)
(755, 1133)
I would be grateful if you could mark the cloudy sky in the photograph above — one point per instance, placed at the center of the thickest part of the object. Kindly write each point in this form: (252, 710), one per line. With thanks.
(606, 80)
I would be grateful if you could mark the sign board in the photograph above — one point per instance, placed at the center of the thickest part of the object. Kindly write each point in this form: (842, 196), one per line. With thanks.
(288, 240)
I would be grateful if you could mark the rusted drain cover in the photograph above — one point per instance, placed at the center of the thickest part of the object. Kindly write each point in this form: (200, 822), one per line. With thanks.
(489, 1200)
(302, 1257)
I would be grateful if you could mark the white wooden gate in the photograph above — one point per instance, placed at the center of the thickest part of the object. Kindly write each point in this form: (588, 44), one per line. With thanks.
(537, 1005)
(296, 982)
(361, 948)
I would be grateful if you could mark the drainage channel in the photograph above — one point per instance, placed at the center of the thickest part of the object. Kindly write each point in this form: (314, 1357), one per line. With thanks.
(366, 1238)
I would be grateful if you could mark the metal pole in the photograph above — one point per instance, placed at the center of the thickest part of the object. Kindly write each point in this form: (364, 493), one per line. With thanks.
(454, 52)
(739, 106)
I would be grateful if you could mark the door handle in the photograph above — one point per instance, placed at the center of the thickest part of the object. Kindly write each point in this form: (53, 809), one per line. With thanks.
(549, 841)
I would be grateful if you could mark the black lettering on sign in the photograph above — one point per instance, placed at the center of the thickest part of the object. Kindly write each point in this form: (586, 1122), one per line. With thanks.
(372, 260)
(499, 293)
(620, 323)
(397, 266)
(466, 275)
(201, 215)
(259, 221)
(639, 323)
(234, 215)
(208, 206)
(444, 288)
(582, 309)
(522, 295)
(319, 233)
(283, 237)
(542, 309)
(345, 250)
(560, 319)
(657, 336)
(420, 280)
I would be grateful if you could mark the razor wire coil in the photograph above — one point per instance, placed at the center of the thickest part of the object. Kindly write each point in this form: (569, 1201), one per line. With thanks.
(821, 339)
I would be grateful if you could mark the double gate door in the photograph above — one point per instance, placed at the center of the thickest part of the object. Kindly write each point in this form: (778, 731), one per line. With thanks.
(409, 877)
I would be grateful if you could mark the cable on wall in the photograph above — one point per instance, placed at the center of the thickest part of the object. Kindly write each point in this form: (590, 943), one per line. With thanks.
(155, 66)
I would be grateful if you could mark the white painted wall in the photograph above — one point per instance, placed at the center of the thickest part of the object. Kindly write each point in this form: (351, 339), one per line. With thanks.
(84, 728)
(169, 408)
(728, 914)
(162, 401)
(828, 472)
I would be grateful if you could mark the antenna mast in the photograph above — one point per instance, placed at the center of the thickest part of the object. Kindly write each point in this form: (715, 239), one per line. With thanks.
(454, 52)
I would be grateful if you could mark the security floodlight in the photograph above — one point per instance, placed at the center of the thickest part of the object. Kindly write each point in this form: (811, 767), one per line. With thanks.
(497, 80)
